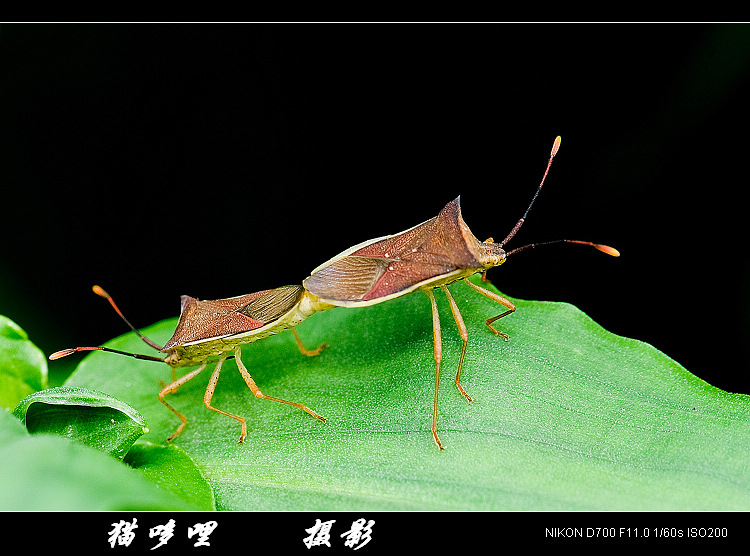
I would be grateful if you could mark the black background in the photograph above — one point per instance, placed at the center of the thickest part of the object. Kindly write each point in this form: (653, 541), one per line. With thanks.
(217, 160)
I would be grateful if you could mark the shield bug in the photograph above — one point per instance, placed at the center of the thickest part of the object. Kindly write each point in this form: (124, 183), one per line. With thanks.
(431, 255)
(207, 330)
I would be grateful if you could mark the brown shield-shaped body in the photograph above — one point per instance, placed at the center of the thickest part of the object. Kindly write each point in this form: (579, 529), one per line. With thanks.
(434, 253)
(213, 327)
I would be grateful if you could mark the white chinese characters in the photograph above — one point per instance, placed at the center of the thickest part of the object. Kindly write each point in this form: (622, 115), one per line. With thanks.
(357, 536)
(123, 533)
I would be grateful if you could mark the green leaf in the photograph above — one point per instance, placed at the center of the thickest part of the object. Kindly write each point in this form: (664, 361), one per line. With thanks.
(91, 417)
(48, 472)
(173, 470)
(23, 367)
(567, 416)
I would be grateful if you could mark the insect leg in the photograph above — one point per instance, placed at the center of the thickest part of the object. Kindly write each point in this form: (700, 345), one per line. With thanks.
(210, 393)
(303, 350)
(499, 299)
(258, 394)
(464, 336)
(172, 388)
(438, 357)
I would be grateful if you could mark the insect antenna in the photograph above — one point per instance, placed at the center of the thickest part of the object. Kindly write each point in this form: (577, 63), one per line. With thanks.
(555, 147)
(70, 351)
(101, 293)
(603, 248)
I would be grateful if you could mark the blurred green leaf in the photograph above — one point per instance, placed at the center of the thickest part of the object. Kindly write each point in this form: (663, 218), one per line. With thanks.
(48, 472)
(566, 416)
(110, 425)
(91, 417)
(23, 367)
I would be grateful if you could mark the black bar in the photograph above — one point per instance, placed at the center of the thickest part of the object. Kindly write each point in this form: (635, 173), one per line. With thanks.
(324, 532)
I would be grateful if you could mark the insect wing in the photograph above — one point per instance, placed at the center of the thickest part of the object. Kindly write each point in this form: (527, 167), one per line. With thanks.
(205, 320)
(347, 279)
